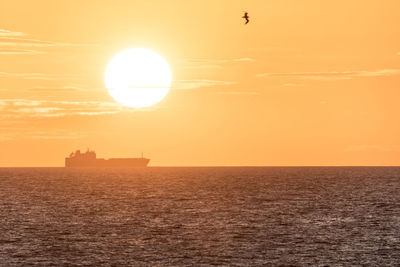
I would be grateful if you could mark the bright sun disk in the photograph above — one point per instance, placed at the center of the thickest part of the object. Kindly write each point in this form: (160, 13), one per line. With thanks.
(138, 78)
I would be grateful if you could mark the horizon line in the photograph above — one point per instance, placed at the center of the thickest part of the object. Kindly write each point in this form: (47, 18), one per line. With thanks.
(210, 166)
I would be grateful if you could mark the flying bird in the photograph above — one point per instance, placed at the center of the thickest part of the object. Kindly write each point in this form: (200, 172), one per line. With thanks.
(246, 17)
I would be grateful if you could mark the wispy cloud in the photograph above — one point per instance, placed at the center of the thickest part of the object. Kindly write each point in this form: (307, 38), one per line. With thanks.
(67, 88)
(6, 137)
(203, 66)
(56, 135)
(194, 84)
(238, 93)
(17, 43)
(9, 134)
(293, 85)
(19, 51)
(333, 75)
(384, 72)
(243, 59)
(216, 61)
(212, 63)
(7, 33)
(39, 76)
(26, 42)
(19, 108)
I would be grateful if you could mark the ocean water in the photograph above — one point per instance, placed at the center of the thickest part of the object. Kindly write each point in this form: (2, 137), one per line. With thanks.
(200, 216)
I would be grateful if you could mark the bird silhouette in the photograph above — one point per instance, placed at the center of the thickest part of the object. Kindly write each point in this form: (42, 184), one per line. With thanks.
(246, 17)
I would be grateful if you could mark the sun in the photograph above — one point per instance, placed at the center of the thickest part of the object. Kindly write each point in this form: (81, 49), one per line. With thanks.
(138, 78)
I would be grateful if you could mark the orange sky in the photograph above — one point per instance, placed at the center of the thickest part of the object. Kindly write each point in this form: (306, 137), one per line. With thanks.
(304, 83)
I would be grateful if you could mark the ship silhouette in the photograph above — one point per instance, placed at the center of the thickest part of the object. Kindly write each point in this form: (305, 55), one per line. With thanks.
(89, 159)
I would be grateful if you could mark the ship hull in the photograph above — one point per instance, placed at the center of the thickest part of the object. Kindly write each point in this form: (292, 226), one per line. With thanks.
(107, 163)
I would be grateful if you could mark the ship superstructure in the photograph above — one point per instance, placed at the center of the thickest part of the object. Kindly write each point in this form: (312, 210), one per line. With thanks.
(89, 159)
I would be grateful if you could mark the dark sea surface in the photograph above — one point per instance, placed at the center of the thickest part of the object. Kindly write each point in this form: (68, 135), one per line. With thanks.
(200, 216)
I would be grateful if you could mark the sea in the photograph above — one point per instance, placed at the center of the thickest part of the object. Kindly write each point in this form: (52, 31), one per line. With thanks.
(200, 216)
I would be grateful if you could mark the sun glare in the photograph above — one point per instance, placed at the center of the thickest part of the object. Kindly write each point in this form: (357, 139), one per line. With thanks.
(138, 78)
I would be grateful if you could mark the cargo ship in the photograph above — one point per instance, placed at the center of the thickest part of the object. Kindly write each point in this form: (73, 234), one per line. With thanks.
(89, 159)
